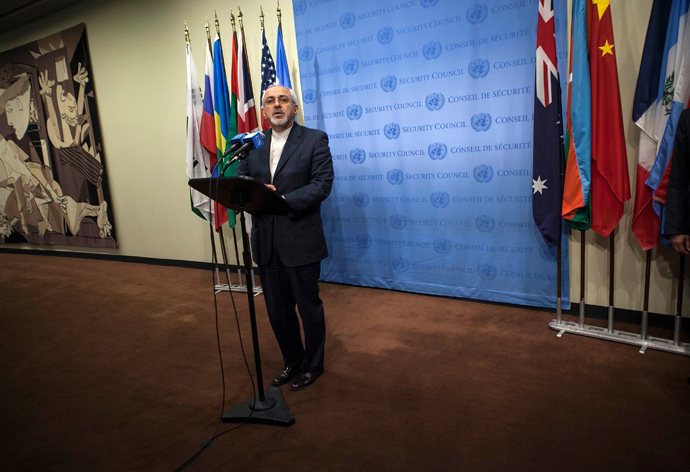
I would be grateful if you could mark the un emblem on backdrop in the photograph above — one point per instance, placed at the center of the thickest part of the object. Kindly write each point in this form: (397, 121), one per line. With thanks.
(392, 130)
(442, 246)
(299, 7)
(401, 264)
(358, 156)
(351, 66)
(347, 20)
(485, 223)
(481, 122)
(547, 253)
(398, 221)
(437, 151)
(479, 68)
(363, 241)
(483, 173)
(475, 14)
(435, 101)
(388, 83)
(385, 35)
(306, 54)
(432, 50)
(309, 96)
(428, 3)
(486, 271)
(361, 199)
(440, 199)
(395, 177)
(354, 112)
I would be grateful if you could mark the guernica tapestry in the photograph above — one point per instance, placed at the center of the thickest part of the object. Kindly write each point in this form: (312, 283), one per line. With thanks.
(53, 180)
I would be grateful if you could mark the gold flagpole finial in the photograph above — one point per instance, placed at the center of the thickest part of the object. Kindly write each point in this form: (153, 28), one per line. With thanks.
(217, 24)
(239, 17)
(232, 20)
(186, 32)
(279, 14)
(261, 16)
(208, 30)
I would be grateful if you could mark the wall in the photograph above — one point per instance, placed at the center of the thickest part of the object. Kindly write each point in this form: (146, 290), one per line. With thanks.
(138, 55)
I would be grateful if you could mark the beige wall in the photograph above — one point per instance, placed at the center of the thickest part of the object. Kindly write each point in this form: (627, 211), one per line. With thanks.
(138, 54)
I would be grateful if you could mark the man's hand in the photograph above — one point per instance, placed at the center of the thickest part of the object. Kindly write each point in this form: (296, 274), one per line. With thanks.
(681, 243)
(82, 76)
(45, 84)
(272, 187)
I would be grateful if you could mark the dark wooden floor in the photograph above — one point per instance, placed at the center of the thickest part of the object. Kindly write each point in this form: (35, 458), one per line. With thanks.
(111, 366)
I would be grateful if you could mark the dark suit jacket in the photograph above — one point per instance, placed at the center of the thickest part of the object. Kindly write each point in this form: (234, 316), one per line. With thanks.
(304, 177)
(678, 197)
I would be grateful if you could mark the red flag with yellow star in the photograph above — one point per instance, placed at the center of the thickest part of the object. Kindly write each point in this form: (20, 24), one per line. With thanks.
(610, 180)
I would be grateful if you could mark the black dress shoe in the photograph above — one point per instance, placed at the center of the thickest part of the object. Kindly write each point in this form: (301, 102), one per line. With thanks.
(304, 380)
(285, 375)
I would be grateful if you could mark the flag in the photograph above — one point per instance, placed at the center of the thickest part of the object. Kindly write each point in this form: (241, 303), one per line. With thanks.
(282, 70)
(208, 132)
(548, 156)
(610, 182)
(246, 113)
(662, 92)
(268, 73)
(197, 156)
(223, 120)
(579, 125)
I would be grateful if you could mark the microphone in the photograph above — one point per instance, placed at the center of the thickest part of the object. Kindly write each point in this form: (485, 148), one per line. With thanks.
(236, 144)
(250, 141)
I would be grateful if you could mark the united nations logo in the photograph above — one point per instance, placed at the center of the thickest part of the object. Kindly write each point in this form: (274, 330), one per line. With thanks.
(428, 3)
(485, 223)
(437, 151)
(475, 14)
(401, 264)
(358, 156)
(361, 199)
(398, 221)
(388, 83)
(440, 199)
(486, 271)
(481, 122)
(351, 66)
(363, 241)
(549, 254)
(299, 7)
(442, 246)
(479, 68)
(309, 96)
(432, 50)
(395, 177)
(347, 20)
(385, 35)
(392, 130)
(354, 112)
(306, 54)
(483, 173)
(435, 101)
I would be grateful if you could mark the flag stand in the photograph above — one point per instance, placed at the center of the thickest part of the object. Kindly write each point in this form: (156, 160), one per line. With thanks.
(582, 278)
(240, 287)
(643, 340)
(611, 290)
(679, 301)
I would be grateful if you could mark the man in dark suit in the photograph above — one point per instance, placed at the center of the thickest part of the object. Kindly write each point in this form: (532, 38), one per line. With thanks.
(677, 222)
(296, 162)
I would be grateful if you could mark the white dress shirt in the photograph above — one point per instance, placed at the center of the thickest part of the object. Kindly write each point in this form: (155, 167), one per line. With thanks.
(278, 139)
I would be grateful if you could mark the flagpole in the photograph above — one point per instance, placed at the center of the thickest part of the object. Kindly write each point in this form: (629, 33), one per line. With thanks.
(582, 279)
(679, 301)
(279, 16)
(645, 303)
(558, 284)
(611, 260)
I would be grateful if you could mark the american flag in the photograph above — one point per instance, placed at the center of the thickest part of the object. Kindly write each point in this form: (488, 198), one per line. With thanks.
(268, 74)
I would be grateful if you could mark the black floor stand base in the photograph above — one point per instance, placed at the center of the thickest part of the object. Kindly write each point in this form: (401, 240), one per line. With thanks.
(272, 410)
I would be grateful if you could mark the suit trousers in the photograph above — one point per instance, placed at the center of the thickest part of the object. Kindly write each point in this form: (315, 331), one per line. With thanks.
(284, 287)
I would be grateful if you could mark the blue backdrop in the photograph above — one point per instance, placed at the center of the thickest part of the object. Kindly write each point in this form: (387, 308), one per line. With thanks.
(428, 105)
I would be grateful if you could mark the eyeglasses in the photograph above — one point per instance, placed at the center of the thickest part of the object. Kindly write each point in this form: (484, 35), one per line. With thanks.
(271, 101)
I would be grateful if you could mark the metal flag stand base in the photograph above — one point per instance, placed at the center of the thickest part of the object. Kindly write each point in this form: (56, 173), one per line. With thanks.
(650, 342)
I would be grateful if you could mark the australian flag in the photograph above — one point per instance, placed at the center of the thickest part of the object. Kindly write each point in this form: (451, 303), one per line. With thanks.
(548, 156)
(268, 74)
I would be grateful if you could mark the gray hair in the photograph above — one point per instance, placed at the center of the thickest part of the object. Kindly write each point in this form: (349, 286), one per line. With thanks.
(292, 93)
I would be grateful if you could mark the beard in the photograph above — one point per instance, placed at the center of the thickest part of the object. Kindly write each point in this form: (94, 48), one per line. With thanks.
(278, 121)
